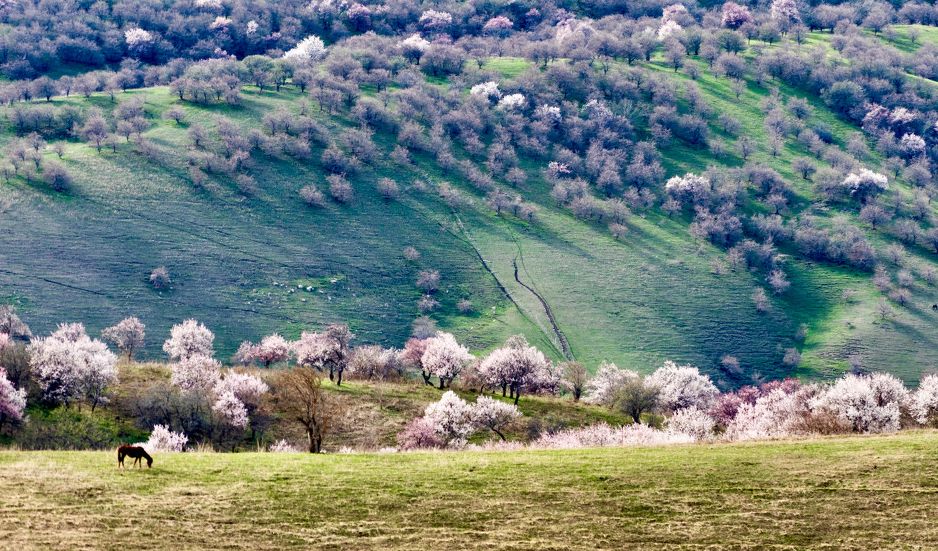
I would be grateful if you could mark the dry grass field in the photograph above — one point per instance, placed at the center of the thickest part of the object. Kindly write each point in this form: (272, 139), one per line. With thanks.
(844, 493)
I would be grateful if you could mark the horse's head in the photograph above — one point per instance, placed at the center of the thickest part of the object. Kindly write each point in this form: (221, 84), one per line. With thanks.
(149, 462)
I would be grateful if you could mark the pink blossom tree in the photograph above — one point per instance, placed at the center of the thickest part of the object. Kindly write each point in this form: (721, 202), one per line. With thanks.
(735, 15)
(127, 335)
(516, 367)
(420, 434)
(328, 350)
(12, 400)
(231, 410)
(271, 349)
(412, 356)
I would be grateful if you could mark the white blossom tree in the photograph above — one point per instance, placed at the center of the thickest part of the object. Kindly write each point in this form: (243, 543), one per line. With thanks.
(869, 403)
(68, 366)
(923, 403)
(773, 415)
(97, 371)
(865, 184)
(512, 102)
(189, 338)
(693, 422)
(231, 410)
(11, 324)
(309, 50)
(164, 440)
(681, 386)
(493, 414)
(605, 386)
(247, 388)
(735, 15)
(435, 20)
(445, 358)
(785, 12)
(451, 418)
(488, 90)
(196, 374)
(414, 47)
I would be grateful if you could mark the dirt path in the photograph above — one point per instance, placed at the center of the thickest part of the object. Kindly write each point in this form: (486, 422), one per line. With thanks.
(564, 345)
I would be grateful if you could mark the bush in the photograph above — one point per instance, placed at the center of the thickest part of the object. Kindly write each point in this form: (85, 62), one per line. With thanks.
(69, 429)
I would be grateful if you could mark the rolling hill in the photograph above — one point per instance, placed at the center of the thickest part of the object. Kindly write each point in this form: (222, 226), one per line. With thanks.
(252, 264)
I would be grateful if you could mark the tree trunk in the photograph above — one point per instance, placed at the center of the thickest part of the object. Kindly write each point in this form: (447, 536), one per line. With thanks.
(499, 433)
(442, 382)
(315, 441)
(339, 378)
(426, 378)
(331, 374)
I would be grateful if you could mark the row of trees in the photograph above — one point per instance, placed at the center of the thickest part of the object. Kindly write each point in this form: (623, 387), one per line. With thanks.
(124, 33)
(69, 367)
(693, 410)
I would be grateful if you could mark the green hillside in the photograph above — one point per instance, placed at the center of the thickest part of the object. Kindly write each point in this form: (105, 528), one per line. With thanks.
(857, 493)
(251, 265)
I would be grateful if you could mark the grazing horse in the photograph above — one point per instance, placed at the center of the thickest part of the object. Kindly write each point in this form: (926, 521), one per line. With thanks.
(136, 452)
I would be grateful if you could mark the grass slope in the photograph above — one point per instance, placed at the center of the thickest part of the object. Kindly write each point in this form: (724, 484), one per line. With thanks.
(845, 493)
(237, 261)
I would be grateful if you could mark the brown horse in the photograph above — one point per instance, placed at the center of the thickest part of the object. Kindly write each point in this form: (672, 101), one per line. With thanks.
(136, 452)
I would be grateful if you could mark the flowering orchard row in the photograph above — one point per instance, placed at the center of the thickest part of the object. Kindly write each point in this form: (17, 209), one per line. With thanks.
(70, 367)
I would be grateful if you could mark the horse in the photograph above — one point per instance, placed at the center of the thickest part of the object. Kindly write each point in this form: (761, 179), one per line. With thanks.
(137, 452)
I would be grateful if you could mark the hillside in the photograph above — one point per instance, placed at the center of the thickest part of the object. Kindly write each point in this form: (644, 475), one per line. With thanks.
(857, 493)
(251, 264)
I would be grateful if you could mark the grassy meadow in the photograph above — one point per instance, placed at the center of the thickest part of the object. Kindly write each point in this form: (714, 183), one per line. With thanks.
(845, 493)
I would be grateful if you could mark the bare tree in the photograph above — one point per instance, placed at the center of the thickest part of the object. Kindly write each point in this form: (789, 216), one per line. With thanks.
(300, 398)
(575, 376)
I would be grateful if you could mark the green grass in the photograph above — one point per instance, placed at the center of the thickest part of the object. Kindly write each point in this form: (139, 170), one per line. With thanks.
(853, 492)
(901, 36)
